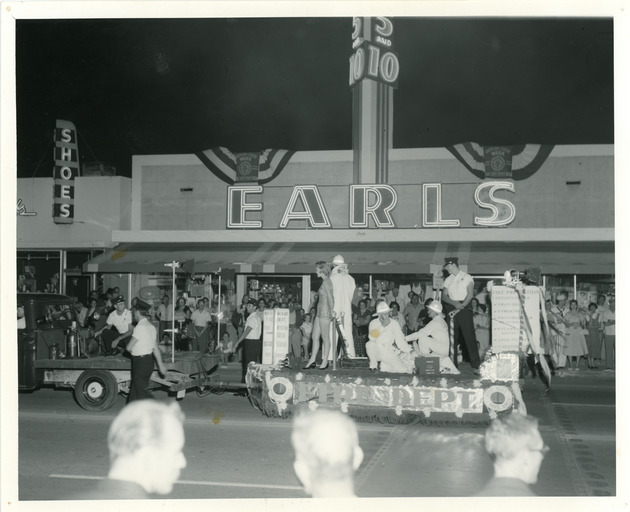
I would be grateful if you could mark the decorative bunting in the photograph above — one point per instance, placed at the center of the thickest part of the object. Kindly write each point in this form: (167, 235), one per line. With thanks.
(257, 167)
(514, 162)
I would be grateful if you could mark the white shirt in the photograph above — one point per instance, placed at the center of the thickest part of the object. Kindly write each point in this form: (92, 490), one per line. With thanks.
(165, 313)
(457, 285)
(605, 316)
(146, 334)
(201, 318)
(437, 330)
(389, 338)
(121, 322)
(255, 322)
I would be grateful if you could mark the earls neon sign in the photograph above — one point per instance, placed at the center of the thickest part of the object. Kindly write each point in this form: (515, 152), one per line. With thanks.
(373, 203)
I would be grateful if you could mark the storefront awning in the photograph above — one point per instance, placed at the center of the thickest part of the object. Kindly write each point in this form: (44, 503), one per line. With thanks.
(372, 257)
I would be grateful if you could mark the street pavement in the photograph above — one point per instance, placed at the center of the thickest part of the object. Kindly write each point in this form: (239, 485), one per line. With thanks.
(233, 451)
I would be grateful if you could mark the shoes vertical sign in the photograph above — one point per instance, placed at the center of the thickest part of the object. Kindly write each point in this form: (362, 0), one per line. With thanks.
(65, 170)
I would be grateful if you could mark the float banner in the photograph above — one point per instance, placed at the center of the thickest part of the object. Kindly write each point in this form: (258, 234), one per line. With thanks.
(514, 162)
(66, 156)
(259, 167)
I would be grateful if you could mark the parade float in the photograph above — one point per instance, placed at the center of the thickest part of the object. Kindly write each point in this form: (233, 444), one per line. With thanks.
(280, 387)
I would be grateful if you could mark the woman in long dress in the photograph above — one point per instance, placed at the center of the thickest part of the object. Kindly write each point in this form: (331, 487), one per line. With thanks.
(594, 337)
(323, 318)
(576, 342)
(557, 332)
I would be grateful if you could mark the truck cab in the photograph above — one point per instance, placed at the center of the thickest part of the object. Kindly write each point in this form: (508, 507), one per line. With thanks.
(47, 317)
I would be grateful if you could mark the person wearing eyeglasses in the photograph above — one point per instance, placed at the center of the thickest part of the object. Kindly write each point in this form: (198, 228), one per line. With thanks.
(517, 449)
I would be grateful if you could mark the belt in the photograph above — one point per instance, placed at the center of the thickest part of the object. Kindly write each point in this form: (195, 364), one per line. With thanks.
(252, 339)
(143, 355)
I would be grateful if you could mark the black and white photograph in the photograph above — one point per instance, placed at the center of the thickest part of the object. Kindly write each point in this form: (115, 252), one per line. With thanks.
(286, 251)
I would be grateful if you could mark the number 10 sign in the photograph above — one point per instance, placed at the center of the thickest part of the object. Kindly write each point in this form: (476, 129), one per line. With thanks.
(373, 56)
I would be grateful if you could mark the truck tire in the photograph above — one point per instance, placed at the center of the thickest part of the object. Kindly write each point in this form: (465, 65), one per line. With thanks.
(96, 390)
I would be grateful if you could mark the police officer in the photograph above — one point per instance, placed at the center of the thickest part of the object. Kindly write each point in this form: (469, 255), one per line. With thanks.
(143, 348)
(457, 293)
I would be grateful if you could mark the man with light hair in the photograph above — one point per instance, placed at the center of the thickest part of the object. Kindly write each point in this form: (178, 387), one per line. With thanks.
(517, 449)
(327, 453)
(145, 443)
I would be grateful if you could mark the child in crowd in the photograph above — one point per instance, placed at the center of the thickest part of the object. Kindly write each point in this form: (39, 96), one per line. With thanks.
(224, 348)
(307, 330)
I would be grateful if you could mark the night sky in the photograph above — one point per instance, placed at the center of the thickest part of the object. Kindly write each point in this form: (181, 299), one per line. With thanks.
(186, 85)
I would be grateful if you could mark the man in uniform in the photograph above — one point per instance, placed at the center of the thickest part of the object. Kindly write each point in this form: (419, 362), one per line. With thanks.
(457, 293)
(119, 324)
(387, 344)
(143, 348)
(252, 346)
(343, 291)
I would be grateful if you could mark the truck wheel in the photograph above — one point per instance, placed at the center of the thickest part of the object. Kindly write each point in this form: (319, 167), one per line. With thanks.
(96, 390)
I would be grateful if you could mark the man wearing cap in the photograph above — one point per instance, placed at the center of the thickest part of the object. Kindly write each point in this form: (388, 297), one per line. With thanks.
(252, 344)
(432, 340)
(457, 293)
(387, 344)
(119, 324)
(143, 348)
(344, 287)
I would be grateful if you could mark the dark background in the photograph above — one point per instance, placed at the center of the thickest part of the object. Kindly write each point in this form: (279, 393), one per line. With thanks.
(185, 85)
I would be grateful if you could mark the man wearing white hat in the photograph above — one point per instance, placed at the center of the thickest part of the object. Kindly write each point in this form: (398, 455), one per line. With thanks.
(387, 344)
(433, 340)
(344, 288)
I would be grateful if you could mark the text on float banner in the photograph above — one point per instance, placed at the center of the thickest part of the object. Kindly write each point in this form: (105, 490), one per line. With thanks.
(66, 169)
(370, 206)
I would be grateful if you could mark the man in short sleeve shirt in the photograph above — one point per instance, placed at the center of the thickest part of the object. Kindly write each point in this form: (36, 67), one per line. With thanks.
(143, 348)
(457, 293)
(251, 337)
(122, 319)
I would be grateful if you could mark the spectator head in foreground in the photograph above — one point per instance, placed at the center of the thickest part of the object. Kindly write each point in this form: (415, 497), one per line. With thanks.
(327, 453)
(145, 444)
(517, 449)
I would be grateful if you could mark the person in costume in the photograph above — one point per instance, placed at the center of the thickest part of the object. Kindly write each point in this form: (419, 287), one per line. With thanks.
(344, 287)
(432, 340)
(324, 316)
(387, 344)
